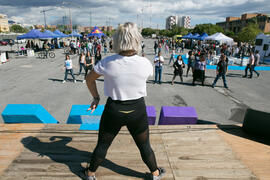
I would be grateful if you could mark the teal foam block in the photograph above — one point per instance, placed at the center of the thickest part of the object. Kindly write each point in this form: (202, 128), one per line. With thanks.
(87, 127)
(27, 113)
(239, 68)
(79, 115)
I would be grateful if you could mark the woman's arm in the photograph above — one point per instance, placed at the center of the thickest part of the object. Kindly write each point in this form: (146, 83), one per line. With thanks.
(91, 84)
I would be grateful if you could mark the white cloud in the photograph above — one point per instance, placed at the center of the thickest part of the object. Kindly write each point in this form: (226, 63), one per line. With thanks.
(119, 11)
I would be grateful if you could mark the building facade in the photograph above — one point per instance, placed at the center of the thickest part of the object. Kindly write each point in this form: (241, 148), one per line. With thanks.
(171, 21)
(185, 22)
(235, 24)
(4, 26)
(180, 21)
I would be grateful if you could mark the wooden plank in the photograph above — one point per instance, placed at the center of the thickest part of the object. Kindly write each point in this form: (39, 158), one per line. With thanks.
(10, 137)
(253, 152)
(187, 152)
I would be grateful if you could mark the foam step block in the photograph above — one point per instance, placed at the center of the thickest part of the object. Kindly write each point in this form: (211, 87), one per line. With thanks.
(27, 113)
(172, 115)
(257, 123)
(87, 127)
(151, 114)
(79, 115)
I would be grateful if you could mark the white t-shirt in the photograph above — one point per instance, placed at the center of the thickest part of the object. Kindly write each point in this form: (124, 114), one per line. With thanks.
(124, 77)
(161, 59)
(90, 45)
(82, 59)
(68, 64)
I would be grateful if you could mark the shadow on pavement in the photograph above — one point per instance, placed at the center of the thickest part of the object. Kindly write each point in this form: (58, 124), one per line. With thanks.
(238, 131)
(61, 80)
(234, 75)
(58, 151)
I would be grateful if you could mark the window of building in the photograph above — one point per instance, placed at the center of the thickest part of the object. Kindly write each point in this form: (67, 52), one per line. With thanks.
(258, 42)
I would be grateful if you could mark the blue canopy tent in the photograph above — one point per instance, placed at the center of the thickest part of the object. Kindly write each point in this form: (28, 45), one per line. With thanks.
(203, 36)
(195, 36)
(62, 35)
(96, 32)
(51, 34)
(75, 34)
(33, 34)
(188, 36)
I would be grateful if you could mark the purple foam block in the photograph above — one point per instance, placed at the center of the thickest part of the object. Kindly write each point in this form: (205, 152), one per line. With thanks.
(172, 115)
(151, 114)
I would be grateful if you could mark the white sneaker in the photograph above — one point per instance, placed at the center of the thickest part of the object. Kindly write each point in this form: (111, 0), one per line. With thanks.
(63, 81)
(162, 171)
(83, 81)
(75, 81)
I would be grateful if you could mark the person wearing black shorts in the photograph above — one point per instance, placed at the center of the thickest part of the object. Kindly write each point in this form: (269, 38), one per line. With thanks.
(125, 105)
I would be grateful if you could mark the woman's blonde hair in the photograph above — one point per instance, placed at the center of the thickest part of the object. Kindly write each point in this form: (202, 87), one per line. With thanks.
(127, 37)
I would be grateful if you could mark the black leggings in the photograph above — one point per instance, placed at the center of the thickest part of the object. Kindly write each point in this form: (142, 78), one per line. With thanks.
(116, 114)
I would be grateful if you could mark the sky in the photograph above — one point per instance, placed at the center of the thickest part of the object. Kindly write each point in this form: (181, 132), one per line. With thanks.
(146, 13)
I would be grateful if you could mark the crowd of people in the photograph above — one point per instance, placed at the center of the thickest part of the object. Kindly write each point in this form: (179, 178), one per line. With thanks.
(89, 51)
(198, 55)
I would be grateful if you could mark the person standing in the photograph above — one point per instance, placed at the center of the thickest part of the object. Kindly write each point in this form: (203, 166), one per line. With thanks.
(159, 47)
(155, 47)
(166, 48)
(111, 46)
(191, 61)
(250, 65)
(159, 60)
(222, 68)
(256, 63)
(143, 46)
(199, 70)
(98, 57)
(172, 56)
(89, 62)
(105, 48)
(90, 46)
(125, 105)
(68, 69)
(81, 63)
(178, 68)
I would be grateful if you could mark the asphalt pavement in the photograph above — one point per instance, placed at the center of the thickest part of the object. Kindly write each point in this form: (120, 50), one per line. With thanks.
(30, 80)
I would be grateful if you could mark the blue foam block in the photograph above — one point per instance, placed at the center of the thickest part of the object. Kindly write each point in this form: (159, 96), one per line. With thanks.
(79, 115)
(27, 113)
(93, 127)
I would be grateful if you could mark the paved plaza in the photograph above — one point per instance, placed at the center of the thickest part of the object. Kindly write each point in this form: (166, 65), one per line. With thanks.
(30, 80)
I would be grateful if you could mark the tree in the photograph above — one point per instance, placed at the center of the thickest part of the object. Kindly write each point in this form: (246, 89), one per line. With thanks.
(176, 30)
(207, 28)
(18, 29)
(148, 31)
(229, 33)
(248, 34)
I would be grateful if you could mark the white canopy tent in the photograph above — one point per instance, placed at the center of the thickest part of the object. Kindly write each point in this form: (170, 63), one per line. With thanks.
(221, 38)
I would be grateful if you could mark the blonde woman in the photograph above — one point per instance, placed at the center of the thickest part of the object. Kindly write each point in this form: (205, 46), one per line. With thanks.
(125, 75)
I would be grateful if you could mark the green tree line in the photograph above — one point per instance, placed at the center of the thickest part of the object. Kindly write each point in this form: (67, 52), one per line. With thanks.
(247, 34)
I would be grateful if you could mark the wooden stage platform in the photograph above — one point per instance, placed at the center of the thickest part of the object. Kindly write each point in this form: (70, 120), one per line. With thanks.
(196, 152)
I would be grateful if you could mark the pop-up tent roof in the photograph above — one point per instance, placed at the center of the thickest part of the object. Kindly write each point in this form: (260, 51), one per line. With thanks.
(51, 34)
(33, 34)
(221, 38)
(96, 32)
(188, 36)
(195, 36)
(75, 34)
(62, 35)
(202, 37)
